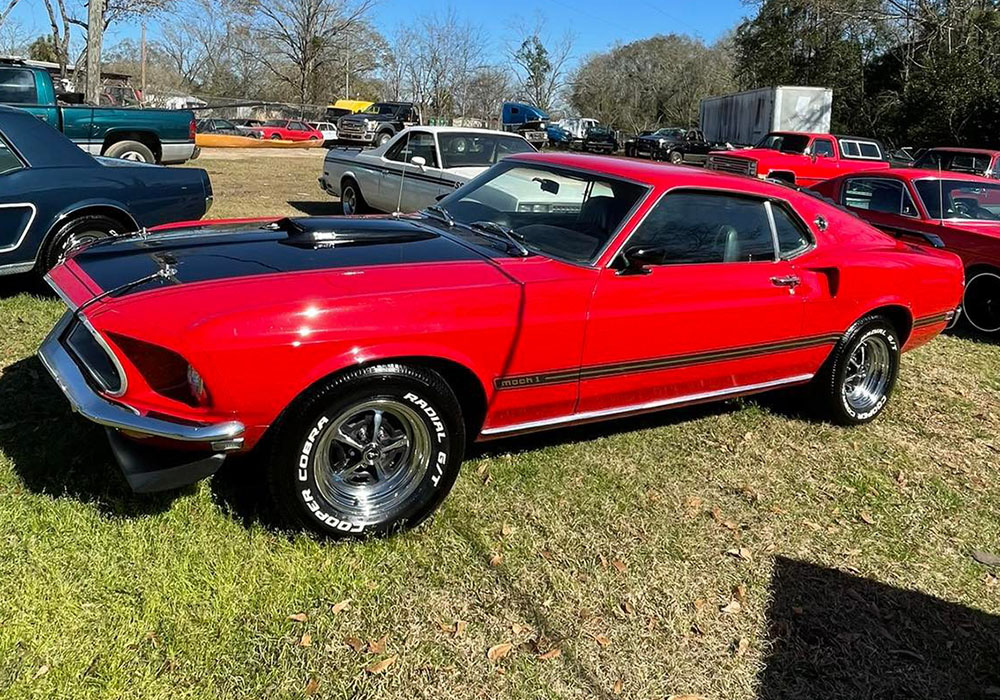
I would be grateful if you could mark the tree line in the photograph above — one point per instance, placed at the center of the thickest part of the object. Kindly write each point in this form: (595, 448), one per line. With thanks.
(912, 72)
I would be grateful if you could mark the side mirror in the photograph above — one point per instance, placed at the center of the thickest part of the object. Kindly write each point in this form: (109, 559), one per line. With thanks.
(420, 162)
(637, 259)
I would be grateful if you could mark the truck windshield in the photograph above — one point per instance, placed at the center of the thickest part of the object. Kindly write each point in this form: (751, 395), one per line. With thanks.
(472, 150)
(963, 200)
(382, 109)
(786, 143)
(563, 214)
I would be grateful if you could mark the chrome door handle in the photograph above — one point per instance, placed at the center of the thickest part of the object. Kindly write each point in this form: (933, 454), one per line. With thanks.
(789, 281)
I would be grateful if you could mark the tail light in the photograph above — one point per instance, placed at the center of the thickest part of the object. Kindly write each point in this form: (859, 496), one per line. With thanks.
(192, 129)
(166, 372)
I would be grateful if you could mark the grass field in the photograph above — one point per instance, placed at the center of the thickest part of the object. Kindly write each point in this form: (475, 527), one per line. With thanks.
(729, 552)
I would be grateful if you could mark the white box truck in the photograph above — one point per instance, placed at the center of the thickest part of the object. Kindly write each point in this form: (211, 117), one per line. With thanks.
(744, 118)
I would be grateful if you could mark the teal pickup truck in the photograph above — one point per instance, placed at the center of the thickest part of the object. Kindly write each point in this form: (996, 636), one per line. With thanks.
(148, 135)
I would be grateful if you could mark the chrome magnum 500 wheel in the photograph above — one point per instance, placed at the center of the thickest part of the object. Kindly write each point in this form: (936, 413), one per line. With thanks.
(860, 375)
(981, 304)
(369, 453)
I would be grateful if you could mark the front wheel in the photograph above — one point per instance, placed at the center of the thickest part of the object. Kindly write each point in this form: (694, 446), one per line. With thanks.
(676, 157)
(369, 453)
(981, 303)
(72, 233)
(383, 138)
(859, 377)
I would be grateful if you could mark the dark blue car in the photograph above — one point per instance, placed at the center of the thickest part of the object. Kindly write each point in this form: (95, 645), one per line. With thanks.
(54, 196)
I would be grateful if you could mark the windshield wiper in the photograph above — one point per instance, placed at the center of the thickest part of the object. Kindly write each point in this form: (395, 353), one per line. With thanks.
(506, 234)
(442, 214)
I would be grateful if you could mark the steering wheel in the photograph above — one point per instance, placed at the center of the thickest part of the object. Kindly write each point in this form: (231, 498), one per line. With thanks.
(962, 209)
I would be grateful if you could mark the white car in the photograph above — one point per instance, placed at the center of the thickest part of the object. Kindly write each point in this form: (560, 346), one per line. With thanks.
(415, 168)
(329, 130)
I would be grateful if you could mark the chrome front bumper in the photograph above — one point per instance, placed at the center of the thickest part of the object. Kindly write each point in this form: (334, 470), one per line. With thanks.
(91, 405)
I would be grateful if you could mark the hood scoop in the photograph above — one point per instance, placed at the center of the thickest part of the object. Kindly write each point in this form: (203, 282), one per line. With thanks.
(320, 232)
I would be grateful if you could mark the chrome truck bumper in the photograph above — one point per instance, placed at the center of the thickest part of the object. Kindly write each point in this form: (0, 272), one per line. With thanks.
(146, 469)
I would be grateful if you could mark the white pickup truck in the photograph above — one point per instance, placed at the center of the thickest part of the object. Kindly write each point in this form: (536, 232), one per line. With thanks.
(415, 168)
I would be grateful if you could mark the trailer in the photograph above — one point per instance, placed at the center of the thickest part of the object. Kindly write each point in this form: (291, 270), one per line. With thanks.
(744, 118)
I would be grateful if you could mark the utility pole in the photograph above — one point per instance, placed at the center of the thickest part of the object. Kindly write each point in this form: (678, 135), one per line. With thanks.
(347, 77)
(95, 39)
(142, 70)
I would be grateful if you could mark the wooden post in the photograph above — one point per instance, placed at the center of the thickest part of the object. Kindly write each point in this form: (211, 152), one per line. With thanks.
(95, 40)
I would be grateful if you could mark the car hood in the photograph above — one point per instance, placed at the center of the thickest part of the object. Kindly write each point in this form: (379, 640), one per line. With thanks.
(130, 265)
(761, 153)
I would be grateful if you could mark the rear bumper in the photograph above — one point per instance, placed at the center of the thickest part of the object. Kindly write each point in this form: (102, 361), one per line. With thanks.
(208, 443)
(178, 152)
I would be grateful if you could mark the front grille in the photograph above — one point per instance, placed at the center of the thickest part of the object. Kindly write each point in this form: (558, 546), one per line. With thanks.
(352, 127)
(725, 164)
(93, 358)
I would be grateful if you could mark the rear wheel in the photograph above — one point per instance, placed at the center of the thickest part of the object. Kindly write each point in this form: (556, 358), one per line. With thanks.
(352, 202)
(275, 137)
(72, 233)
(131, 150)
(859, 377)
(676, 157)
(981, 304)
(383, 138)
(369, 453)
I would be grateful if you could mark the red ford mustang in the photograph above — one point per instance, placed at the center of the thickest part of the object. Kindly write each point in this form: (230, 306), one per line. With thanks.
(288, 130)
(927, 207)
(549, 291)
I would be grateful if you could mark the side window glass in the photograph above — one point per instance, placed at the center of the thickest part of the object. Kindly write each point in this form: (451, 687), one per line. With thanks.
(822, 147)
(697, 227)
(8, 161)
(17, 86)
(422, 144)
(879, 195)
(792, 238)
(400, 151)
(870, 150)
(850, 149)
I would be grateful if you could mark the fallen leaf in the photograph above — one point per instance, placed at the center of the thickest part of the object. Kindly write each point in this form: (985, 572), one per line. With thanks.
(519, 629)
(378, 646)
(546, 555)
(551, 654)
(731, 525)
(312, 686)
(357, 644)
(602, 560)
(699, 603)
(496, 559)
(601, 638)
(717, 514)
(986, 558)
(742, 646)
(627, 607)
(619, 685)
(381, 666)
(42, 670)
(694, 503)
(620, 565)
(507, 530)
(298, 617)
(685, 697)
(460, 627)
(740, 593)
(500, 651)
(731, 608)
(740, 553)
(341, 606)
(306, 641)
(866, 517)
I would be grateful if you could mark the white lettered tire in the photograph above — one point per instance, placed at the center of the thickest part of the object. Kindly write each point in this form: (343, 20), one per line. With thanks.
(368, 453)
(860, 375)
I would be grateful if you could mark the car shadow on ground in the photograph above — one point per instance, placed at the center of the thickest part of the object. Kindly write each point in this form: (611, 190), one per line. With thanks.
(318, 208)
(57, 453)
(834, 635)
(27, 283)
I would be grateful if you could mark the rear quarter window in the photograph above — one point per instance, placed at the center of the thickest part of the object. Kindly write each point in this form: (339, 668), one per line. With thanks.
(17, 86)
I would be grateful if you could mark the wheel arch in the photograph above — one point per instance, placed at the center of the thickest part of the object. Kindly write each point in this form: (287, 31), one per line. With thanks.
(898, 315)
(785, 175)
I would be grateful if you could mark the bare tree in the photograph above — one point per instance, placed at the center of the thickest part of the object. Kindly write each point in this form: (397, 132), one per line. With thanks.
(60, 23)
(5, 13)
(540, 63)
(299, 37)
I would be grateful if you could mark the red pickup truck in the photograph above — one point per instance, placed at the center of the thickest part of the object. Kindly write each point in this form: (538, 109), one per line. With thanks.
(802, 159)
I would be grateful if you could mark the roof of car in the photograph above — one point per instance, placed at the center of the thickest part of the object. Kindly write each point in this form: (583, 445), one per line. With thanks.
(651, 172)
(461, 129)
(920, 174)
(957, 149)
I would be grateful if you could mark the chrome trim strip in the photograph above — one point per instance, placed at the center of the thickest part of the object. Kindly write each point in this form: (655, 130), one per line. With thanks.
(85, 401)
(31, 219)
(638, 408)
(17, 268)
(59, 292)
(774, 230)
(123, 378)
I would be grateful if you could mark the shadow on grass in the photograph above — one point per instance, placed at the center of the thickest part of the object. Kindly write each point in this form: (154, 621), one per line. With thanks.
(57, 453)
(28, 283)
(318, 208)
(833, 635)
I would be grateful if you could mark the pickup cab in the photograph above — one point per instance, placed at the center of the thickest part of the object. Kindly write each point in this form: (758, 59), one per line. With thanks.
(526, 120)
(801, 158)
(147, 135)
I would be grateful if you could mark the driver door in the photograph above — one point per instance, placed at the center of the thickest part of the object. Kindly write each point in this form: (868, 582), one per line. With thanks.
(717, 315)
(407, 185)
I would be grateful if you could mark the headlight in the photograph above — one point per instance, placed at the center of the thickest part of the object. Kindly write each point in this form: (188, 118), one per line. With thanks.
(753, 168)
(196, 385)
(166, 372)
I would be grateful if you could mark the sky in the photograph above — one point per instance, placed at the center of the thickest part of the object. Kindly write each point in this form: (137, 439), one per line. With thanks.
(595, 24)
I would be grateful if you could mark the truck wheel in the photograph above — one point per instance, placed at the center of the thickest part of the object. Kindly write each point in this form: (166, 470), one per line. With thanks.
(859, 376)
(676, 157)
(130, 150)
(369, 453)
(352, 202)
(83, 229)
(383, 138)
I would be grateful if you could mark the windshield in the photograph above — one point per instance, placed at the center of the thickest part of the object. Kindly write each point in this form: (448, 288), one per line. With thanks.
(559, 213)
(382, 109)
(786, 143)
(472, 150)
(959, 161)
(670, 133)
(963, 201)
